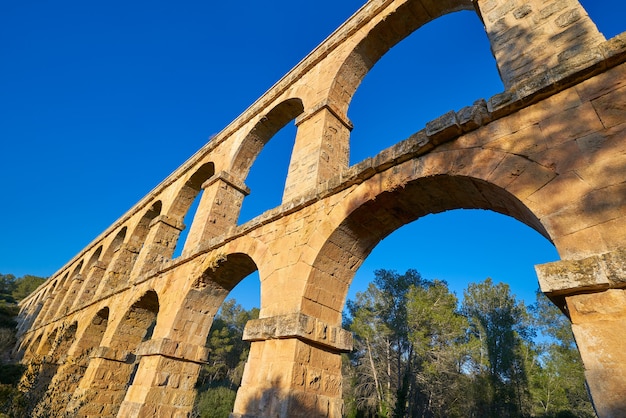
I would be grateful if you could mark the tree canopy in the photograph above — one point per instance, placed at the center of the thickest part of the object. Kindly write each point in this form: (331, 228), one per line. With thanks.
(420, 352)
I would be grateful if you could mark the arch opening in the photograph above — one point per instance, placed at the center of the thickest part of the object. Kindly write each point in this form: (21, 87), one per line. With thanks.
(263, 159)
(422, 77)
(187, 202)
(404, 210)
(372, 221)
(118, 362)
(236, 277)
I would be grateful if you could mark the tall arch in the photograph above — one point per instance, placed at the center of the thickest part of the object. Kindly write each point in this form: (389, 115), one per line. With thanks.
(94, 271)
(186, 205)
(262, 132)
(180, 355)
(372, 220)
(111, 369)
(111, 265)
(223, 194)
(388, 32)
(72, 369)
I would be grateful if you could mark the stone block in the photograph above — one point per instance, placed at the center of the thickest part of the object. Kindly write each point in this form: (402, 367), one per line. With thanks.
(444, 128)
(611, 108)
(298, 326)
(572, 276)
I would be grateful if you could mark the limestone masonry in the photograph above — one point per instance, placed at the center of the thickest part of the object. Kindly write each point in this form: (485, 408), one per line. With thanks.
(549, 151)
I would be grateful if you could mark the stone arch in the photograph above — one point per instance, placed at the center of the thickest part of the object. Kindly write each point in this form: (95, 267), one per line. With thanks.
(112, 369)
(64, 342)
(379, 212)
(56, 297)
(138, 236)
(94, 271)
(190, 204)
(119, 270)
(179, 356)
(111, 264)
(92, 335)
(266, 127)
(73, 367)
(30, 347)
(190, 190)
(157, 235)
(41, 371)
(206, 295)
(388, 32)
(70, 283)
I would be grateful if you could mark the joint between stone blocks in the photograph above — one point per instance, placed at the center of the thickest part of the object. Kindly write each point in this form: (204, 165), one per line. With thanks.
(229, 180)
(108, 353)
(174, 349)
(168, 221)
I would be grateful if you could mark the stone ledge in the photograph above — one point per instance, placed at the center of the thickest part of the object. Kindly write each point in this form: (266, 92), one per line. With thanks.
(591, 274)
(300, 326)
(174, 349)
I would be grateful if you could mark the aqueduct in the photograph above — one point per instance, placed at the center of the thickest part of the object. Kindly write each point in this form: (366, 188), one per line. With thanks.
(121, 328)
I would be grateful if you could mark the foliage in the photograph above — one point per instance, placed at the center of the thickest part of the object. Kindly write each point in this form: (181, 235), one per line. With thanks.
(418, 352)
(26, 285)
(7, 285)
(215, 403)
(558, 386)
(501, 324)
(13, 289)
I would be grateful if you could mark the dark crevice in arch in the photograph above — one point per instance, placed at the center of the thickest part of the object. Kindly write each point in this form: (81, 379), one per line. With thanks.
(228, 271)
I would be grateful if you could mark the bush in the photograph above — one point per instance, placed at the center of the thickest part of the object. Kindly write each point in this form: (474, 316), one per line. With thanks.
(12, 402)
(216, 402)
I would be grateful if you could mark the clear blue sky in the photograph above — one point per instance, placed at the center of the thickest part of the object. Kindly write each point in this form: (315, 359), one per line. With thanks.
(100, 101)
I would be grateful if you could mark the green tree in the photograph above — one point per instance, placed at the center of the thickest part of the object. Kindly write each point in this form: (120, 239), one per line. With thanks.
(382, 364)
(370, 373)
(26, 285)
(7, 285)
(438, 333)
(501, 324)
(557, 381)
(220, 377)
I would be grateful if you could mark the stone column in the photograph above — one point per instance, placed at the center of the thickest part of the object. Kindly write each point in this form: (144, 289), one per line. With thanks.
(530, 37)
(593, 293)
(164, 385)
(321, 150)
(158, 246)
(294, 368)
(218, 210)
